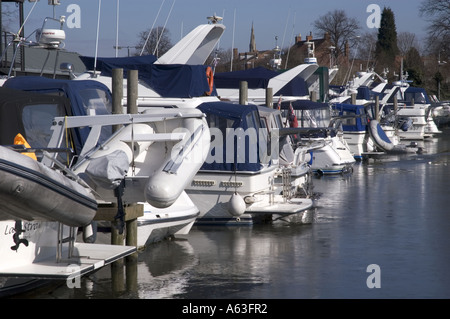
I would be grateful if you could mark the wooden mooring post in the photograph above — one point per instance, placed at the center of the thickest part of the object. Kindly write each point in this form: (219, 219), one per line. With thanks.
(117, 94)
(243, 92)
(108, 212)
(269, 97)
(132, 91)
(377, 108)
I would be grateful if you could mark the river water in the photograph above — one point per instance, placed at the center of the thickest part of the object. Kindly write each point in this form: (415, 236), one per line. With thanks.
(380, 232)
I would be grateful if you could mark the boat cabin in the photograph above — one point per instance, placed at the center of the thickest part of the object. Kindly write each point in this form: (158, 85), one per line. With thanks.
(30, 114)
(238, 141)
(86, 97)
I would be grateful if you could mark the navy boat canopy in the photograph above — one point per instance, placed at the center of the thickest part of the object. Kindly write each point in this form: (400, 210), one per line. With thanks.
(86, 97)
(168, 80)
(353, 116)
(419, 95)
(258, 78)
(249, 149)
(30, 114)
(127, 63)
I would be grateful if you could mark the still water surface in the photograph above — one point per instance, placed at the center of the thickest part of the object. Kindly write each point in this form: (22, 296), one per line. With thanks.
(392, 212)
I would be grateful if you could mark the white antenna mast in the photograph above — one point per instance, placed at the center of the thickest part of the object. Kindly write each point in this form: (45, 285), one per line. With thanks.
(117, 28)
(162, 31)
(96, 41)
(151, 29)
(232, 41)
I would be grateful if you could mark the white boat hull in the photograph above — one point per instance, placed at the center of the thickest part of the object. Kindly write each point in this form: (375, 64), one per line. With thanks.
(30, 257)
(159, 224)
(333, 157)
(156, 224)
(417, 114)
(211, 192)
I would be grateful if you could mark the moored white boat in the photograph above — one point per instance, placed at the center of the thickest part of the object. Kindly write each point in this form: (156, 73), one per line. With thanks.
(96, 99)
(36, 253)
(236, 185)
(158, 170)
(42, 207)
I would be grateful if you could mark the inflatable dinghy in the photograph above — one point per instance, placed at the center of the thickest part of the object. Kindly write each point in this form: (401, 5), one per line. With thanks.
(30, 190)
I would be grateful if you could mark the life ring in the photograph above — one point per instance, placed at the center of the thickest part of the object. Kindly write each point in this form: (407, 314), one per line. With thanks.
(210, 78)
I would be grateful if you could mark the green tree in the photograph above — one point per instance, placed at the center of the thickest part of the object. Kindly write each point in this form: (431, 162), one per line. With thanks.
(413, 64)
(386, 46)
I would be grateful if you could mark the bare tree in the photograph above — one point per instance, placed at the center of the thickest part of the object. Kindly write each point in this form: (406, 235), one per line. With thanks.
(438, 12)
(10, 17)
(341, 28)
(366, 48)
(406, 41)
(155, 41)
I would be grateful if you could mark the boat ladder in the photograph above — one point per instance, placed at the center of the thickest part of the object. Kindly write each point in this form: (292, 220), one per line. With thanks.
(69, 240)
(285, 185)
(286, 181)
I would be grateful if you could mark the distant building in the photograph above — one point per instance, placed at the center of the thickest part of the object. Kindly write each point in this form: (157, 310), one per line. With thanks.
(297, 53)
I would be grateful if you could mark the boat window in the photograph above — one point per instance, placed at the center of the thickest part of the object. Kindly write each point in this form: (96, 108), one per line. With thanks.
(96, 101)
(37, 120)
(278, 120)
(251, 119)
(219, 122)
(264, 124)
(351, 120)
(419, 97)
(314, 118)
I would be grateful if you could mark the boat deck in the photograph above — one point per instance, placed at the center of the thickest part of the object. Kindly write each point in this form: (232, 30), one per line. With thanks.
(87, 258)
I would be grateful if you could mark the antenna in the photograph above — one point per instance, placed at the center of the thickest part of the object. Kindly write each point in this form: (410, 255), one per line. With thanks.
(232, 42)
(151, 29)
(214, 19)
(96, 41)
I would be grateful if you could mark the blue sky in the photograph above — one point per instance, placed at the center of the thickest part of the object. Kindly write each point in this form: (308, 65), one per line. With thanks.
(282, 18)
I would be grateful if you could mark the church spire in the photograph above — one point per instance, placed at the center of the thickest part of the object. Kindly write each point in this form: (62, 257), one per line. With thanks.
(252, 41)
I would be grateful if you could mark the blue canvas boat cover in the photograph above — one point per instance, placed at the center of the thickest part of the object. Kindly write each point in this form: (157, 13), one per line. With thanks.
(419, 95)
(83, 95)
(168, 80)
(223, 116)
(258, 78)
(359, 123)
(127, 63)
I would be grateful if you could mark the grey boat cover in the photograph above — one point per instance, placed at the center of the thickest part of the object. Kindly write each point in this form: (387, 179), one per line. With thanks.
(109, 170)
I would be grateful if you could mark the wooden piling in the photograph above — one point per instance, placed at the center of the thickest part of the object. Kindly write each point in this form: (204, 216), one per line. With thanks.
(395, 112)
(353, 95)
(107, 212)
(243, 93)
(117, 94)
(132, 91)
(313, 96)
(269, 97)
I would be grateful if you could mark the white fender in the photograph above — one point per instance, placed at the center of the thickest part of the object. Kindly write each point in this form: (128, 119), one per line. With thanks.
(379, 136)
(236, 205)
(178, 170)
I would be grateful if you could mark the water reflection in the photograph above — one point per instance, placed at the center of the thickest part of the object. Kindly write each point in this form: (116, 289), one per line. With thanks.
(393, 212)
